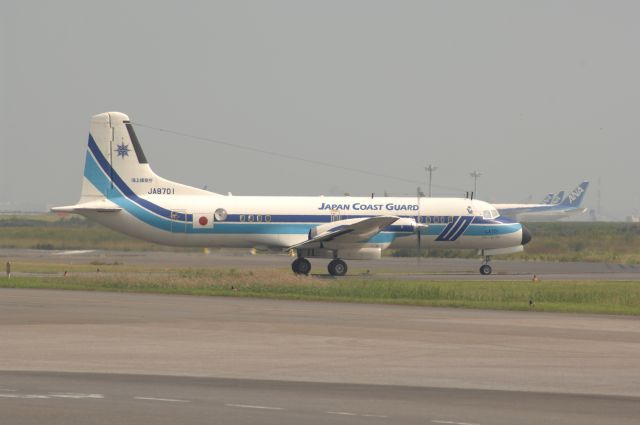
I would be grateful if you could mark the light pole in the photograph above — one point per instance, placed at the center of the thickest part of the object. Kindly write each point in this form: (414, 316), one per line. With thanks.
(430, 169)
(475, 174)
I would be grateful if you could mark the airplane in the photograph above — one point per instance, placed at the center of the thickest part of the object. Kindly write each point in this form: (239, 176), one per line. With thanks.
(556, 209)
(120, 191)
(547, 199)
(553, 198)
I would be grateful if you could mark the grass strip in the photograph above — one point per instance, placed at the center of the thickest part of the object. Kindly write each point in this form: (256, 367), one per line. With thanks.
(605, 297)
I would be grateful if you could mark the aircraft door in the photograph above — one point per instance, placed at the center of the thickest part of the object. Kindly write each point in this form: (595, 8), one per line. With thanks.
(178, 221)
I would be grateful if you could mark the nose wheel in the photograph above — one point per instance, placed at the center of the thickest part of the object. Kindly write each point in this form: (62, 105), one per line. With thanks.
(301, 266)
(337, 267)
(485, 268)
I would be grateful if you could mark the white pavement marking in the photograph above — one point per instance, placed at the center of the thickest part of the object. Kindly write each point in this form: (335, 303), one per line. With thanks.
(163, 399)
(75, 395)
(74, 252)
(54, 395)
(454, 423)
(375, 416)
(23, 396)
(341, 413)
(251, 406)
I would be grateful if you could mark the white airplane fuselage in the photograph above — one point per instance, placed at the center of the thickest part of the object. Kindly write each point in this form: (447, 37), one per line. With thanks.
(281, 221)
(122, 192)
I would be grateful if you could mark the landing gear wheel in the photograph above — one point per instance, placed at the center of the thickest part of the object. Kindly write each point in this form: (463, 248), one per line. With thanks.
(485, 269)
(301, 266)
(337, 267)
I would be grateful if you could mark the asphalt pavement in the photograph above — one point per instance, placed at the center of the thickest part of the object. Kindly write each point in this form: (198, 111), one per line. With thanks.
(100, 358)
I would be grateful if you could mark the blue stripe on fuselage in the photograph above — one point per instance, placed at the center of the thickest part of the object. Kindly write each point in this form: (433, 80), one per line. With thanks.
(126, 190)
(160, 217)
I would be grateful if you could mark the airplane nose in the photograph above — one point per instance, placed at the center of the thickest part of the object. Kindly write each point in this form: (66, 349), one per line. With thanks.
(526, 236)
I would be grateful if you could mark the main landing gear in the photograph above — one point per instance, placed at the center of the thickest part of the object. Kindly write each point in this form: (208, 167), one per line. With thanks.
(301, 266)
(485, 268)
(337, 267)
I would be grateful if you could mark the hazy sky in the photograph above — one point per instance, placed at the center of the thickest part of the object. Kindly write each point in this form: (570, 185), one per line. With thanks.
(537, 95)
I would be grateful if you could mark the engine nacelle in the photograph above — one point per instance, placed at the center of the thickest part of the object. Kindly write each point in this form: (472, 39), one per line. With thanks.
(405, 225)
(322, 228)
(368, 253)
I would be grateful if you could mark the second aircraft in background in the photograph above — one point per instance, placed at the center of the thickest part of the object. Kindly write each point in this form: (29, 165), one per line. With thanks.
(552, 208)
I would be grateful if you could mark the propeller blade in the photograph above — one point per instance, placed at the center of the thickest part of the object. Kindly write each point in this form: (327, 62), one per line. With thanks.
(419, 236)
(419, 245)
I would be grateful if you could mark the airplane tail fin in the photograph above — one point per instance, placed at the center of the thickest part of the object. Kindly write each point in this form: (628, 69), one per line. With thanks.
(557, 198)
(575, 197)
(547, 199)
(116, 166)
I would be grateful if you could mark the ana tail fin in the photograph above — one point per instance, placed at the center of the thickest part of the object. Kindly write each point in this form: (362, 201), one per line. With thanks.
(547, 199)
(557, 198)
(575, 197)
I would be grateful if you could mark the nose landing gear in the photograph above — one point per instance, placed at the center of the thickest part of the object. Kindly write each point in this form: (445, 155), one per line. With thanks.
(485, 268)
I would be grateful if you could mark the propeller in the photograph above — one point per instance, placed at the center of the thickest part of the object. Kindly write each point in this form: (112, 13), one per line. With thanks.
(418, 226)
(418, 233)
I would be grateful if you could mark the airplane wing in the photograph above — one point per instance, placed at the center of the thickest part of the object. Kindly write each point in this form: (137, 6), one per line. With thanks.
(102, 205)
(513, 209)
(349, 231)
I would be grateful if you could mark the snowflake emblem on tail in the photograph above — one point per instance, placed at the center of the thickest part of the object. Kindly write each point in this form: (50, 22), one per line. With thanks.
(123, 150)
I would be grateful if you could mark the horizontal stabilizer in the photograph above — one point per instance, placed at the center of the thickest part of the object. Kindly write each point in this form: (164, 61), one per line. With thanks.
(102, 205)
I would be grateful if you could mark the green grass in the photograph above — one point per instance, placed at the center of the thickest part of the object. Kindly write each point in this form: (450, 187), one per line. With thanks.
(584, 297)
(593, 242)
(565, 241)
(49, 268)
(50, 231)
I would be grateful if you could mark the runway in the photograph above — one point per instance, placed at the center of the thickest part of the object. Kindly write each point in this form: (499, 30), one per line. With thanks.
(98, 358)
(63, 398)
(387, 267)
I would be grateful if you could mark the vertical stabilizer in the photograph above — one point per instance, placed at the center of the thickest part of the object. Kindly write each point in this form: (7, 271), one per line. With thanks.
(557, 198)
(116, 166)
(575, 197)
(547, 199)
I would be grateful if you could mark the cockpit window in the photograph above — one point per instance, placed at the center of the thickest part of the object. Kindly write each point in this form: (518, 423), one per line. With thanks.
(486, 214)
(495, 213)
